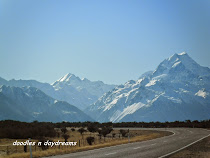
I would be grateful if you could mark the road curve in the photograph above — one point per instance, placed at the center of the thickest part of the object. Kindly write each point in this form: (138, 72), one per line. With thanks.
(160, 147)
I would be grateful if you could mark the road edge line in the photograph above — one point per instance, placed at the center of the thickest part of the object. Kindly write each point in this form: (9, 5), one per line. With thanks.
(184, 147)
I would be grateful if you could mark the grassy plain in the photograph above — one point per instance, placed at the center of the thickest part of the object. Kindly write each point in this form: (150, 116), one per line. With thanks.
(7, 150)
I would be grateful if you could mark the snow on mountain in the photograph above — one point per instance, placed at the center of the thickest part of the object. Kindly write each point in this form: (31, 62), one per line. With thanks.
(29, 104)
(45, 87)
(177, 90)
(78, 92)
(202, 93)
(146, 74)
(181, 61)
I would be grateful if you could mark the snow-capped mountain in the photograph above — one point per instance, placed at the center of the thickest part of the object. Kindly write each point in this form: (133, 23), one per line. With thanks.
(45, 87)
(179, 89)
(29, 104)
(78, 92)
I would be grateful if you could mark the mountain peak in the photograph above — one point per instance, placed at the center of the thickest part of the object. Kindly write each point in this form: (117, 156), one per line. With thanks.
(182, 60)
(68, 77)
(183, 53)
(181, 56)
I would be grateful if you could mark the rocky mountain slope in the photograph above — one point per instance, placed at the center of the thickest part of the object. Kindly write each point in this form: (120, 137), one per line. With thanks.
(29, 104)
(179, 89)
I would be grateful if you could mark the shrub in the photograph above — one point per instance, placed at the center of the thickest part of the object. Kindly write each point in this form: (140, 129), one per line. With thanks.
(66, 137)
(64, 130)
(92, 128)
(81, 131)
(43, 147)
(90, 140)
(105, 131)
(123, 132)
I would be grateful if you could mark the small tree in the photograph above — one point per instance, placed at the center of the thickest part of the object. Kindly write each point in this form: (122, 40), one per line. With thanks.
(81, 131)
(43, 140)
(72, 129)
(113, 135)
(105, 131)
(66, 137)
(123, 132)
(92, 128)
(64, 130)
(99, 133)
(90, 140)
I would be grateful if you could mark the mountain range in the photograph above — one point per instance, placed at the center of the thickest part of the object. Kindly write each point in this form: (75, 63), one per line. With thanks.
(29, 100)
(69, 88)
(179, 89)
(29, 104)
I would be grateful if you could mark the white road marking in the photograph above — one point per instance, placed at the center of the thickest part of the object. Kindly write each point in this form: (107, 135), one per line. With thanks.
(111, 153)
(184, 147)
(144, 146)
(190, 131)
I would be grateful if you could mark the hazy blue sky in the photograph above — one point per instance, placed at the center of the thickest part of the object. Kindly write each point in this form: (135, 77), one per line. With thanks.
(110, 40)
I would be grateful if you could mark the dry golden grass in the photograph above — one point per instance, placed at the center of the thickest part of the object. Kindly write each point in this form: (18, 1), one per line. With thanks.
(135, 136)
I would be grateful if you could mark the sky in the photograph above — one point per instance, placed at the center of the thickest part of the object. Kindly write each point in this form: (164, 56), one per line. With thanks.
(112, 41)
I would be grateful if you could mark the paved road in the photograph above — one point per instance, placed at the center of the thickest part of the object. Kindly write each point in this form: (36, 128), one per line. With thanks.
(159, 147)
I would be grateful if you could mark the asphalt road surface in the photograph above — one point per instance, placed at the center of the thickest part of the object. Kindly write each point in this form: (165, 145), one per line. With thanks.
(160, 147)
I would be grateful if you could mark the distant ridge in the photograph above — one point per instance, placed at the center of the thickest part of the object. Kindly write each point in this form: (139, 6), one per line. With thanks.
(78, 92)
(29, 104)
